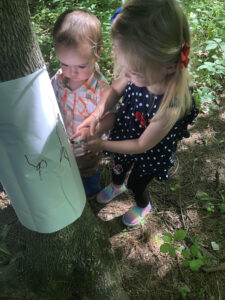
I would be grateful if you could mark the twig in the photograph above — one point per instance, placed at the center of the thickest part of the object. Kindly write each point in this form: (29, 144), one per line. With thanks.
(220, 267)
(181, 211)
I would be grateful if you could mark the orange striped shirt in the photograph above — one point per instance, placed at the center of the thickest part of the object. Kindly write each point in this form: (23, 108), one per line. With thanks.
(75, 106)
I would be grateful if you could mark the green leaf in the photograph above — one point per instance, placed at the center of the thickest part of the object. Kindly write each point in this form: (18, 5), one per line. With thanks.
(222, 45)
(186, 254)
(211, 46)
(186, 263)
(172, 251)
(165, 248)
(195, 264)
(175, 187)
(179, 249)
(180, 235)
(194, 250)
(158, 240)
(167, 237)
(183, 290)
(218, 40)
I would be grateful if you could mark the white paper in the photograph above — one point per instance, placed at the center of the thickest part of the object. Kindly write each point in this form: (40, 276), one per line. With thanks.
(37, 167)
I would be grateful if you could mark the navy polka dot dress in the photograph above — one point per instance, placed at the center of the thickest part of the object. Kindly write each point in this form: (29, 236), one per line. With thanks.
(137, 108)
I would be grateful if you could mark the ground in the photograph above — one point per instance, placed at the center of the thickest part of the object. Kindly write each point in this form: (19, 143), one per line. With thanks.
(199, 173)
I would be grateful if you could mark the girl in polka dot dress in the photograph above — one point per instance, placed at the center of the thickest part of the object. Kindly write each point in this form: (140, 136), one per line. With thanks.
(151, 40)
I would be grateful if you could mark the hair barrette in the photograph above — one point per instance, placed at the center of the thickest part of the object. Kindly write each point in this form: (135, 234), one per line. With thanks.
(115, 14)
(184, 59)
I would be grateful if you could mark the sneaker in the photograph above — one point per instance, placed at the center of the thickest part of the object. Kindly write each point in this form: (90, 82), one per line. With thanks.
(135, 215)
(109, 193)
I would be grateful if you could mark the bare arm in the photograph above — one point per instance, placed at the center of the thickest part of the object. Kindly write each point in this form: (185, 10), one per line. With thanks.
(105, 124)
(153, 134)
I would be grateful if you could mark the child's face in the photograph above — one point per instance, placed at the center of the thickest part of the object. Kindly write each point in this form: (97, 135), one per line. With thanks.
(135, 77)
(155, 74)
(77, 64)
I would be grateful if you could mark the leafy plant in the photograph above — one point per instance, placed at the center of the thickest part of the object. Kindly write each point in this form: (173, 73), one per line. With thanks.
(192, 255)
(211, 203)
(175, 187)
(6, 256)
(183, 290)
(207, 24)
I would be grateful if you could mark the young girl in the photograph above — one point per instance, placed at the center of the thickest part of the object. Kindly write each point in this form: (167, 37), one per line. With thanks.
(151, 40)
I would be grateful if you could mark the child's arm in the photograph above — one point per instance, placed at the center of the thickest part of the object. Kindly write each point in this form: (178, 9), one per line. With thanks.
(108, 100)
(103, 126)
(153, 134)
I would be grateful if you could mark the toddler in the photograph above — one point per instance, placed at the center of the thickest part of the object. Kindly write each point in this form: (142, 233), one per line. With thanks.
(79, 84)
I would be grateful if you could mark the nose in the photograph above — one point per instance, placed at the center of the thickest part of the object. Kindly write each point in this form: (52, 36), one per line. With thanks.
(73, 70)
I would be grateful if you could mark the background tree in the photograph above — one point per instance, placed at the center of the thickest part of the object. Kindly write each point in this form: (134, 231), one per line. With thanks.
(76, 261)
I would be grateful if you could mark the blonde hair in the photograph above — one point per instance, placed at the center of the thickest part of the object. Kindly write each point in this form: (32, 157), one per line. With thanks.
(151, 33)
(76, 26)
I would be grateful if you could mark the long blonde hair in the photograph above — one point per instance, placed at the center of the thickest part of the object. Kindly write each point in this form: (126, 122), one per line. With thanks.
(152, 33)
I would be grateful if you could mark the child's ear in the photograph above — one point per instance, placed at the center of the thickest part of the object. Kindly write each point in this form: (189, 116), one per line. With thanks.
(99, 53)
(171, 69)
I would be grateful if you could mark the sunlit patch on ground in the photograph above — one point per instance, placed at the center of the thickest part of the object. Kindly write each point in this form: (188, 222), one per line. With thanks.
(4, 200)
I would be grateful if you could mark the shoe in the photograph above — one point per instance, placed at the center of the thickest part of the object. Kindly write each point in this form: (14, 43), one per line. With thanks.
(109, 193)
(91, 184)
(135, 215)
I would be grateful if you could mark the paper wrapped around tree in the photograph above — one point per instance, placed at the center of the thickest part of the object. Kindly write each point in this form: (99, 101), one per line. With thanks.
(37, 167)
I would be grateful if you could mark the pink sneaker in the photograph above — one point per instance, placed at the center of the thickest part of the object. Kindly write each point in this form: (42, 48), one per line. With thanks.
(109, 193)
(134, 215)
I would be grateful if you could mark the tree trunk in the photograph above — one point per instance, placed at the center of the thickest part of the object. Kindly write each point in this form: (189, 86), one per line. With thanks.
(76, 262)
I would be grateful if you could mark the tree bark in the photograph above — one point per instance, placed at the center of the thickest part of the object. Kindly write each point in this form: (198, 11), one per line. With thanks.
(76, 262)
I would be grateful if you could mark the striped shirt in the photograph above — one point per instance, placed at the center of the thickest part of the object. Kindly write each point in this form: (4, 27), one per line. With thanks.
(75, 106)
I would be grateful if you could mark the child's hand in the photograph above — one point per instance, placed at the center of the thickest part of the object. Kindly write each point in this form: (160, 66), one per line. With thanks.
(90, 122)
(83, 135)
(94, 146)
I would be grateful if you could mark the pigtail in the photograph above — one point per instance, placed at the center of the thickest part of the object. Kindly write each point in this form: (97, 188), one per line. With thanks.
(177, 97)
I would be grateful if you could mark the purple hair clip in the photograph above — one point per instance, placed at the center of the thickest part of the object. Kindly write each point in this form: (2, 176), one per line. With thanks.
(116, 13)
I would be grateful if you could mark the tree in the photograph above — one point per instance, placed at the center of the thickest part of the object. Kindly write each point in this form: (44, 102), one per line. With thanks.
(76, 262)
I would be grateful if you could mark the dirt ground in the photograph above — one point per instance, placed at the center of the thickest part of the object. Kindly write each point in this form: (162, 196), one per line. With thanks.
(176, 204)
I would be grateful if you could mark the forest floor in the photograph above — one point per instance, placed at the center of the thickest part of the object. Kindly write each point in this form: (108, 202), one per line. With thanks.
(192, 199)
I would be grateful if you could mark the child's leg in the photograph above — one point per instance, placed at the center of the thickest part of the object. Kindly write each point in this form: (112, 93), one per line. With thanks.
(88, 165)
(91, 184)
(138, 187)
(117, 186)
